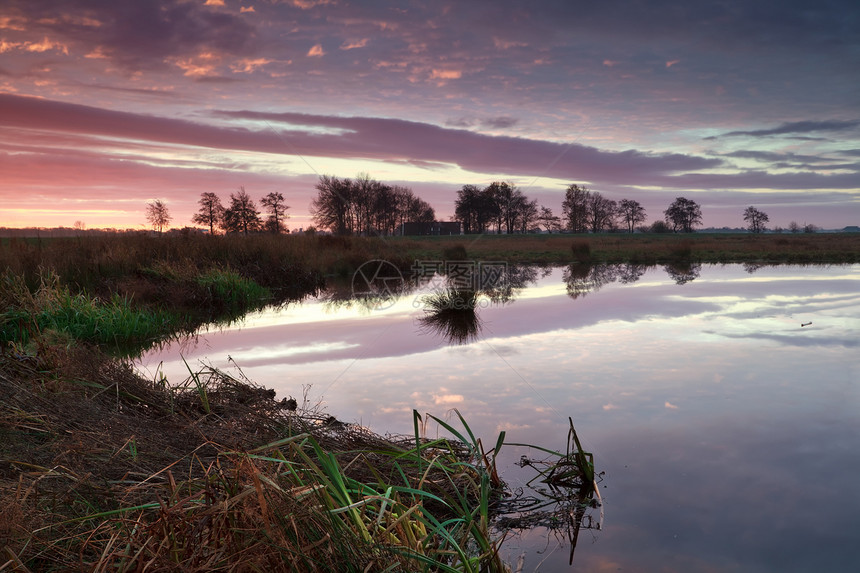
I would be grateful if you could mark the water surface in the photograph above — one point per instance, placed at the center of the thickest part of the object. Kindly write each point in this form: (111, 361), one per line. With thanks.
(722, 403)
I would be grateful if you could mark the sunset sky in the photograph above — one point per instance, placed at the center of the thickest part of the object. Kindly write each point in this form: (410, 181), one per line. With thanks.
(106, 105)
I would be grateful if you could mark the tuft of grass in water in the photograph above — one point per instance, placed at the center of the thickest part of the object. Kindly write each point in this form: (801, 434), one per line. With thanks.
(230, 289)
(451, 314)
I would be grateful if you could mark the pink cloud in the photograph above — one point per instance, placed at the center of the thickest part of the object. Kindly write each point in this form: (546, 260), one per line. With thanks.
(351, 45)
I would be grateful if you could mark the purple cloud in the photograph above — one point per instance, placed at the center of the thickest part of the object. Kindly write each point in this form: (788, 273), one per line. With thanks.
(369, 138)
(798, 127)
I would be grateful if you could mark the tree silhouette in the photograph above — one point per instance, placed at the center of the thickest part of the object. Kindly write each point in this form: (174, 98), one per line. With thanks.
(756, 219)
(158, 215)
(274, 204)
(574, 208)
(211, 213)
(683, 214)
(242, 215)
(476, 208)
(632, 213)
(550, 222)
(600, 212)
(366, 206)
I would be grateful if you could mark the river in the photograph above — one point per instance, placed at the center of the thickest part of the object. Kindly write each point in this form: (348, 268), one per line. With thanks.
(721, 403)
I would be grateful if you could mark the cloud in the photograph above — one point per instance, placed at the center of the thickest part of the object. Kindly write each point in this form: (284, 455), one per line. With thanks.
(796, 127)
(503, 44)
(499, 122)
(352, 45)
(358, 137)
(316, 51)
(46, 45)
(248, 65)
(789, 160)
(308, 4)
(445, 74)
(395, 140)
(137, 35)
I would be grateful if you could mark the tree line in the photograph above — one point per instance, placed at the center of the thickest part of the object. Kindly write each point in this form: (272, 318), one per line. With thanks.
(502, 207)
(364, 206)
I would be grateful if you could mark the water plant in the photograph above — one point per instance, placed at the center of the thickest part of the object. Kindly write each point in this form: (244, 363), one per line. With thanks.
(563, 493)
(452, 314)
(228, 288)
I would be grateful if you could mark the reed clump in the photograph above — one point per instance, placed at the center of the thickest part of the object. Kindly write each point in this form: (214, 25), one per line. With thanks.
(103, 470)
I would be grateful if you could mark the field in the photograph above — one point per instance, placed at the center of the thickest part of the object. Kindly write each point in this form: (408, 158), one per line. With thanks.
(647, 248)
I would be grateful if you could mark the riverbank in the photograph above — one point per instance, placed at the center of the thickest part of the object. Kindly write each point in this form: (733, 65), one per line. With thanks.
(101, 470)
(131, 289)
(645, 248)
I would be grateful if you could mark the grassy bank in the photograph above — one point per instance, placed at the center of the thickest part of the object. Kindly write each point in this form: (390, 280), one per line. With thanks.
(131, 288)
(101, 470)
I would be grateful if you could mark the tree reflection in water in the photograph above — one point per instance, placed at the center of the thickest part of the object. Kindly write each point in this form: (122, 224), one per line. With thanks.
(581, 279)
(683, 273)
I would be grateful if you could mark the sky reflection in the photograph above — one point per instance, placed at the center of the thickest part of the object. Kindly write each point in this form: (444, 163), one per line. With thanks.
(728, 432)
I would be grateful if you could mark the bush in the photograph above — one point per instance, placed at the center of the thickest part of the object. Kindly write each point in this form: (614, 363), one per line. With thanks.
(455, 253)
(581, 250)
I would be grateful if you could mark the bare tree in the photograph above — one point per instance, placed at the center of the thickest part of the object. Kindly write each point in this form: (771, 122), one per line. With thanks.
(632, 213)
(365, 206)
(601, 212)
(274, 204)
(756, 219)
(332, 208)
(242, 215)
(550, 222)
(683, 214)
(528, 214)
(158, 215)
(211, 213)
(574, 208)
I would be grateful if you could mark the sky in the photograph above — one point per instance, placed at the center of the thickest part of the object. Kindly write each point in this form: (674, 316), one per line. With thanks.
(106, 106)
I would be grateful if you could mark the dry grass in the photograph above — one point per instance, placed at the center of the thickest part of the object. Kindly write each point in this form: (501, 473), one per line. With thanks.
(646, 248)
(102, 470)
